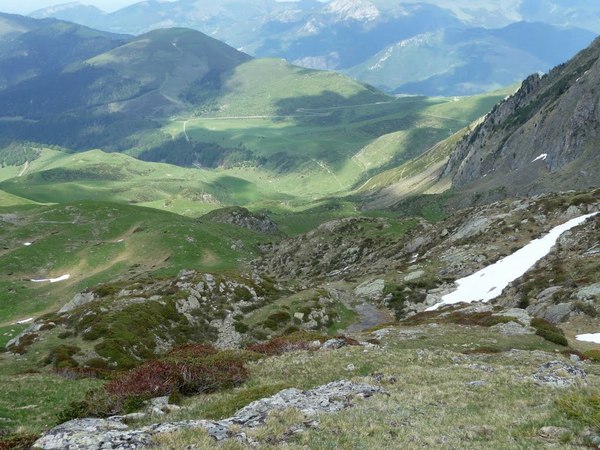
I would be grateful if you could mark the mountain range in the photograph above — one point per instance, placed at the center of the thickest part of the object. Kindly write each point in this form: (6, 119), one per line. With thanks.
(428, 48)
(200, 248)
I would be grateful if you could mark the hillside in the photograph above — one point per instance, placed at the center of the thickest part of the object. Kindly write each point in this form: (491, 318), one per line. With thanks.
(543, 138)
(30, 48)
(147, 76)
(450, 61)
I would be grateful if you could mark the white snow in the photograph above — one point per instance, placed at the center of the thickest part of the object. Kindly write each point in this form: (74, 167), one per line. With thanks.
(53, 280)
(21, 322)
(26, 244)
(489, 283)
(591, 337)
(542, 157)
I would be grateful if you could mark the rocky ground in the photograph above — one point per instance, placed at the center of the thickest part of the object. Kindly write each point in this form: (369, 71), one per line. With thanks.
(442, 385)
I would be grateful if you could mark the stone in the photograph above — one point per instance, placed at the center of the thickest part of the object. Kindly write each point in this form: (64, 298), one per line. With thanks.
(559, 375)
(372, 289)
(350, 367)
(299, 316)
(548, 293)
(511, 329)
(552, 433)
(520, 314)
(558, 313)
(414, 275)
(587, 292)
(78, 300)
(471, 228)
(113, 433)
(333, 344)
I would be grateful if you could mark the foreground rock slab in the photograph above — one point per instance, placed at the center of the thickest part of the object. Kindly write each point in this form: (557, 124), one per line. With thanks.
(113, 433)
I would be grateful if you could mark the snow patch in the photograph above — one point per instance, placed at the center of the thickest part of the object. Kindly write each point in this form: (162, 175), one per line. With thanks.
(53, 280)
(24, 321)
(489, 283)
(542, 157)
(590, 337)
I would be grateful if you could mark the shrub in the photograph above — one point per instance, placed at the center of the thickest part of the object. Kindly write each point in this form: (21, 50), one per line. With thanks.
(294, 341)
(240, 327)
(17, 441)
(163, 377)
(62, 356)
(97, 403)
(549, 331)
(152, 379)
(593, 355)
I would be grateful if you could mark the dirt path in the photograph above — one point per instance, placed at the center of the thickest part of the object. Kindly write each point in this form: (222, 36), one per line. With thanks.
(369, 316)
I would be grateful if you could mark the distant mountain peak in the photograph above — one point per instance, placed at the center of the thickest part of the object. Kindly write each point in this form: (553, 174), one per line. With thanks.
(360, 10)
(53, 10)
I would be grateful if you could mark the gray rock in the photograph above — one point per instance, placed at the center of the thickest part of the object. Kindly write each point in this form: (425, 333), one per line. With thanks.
(372, 289)
(520, 314)
(590, 291)
(560, 375)
(333, 344)
(512, 329)
(112, 433)
(471, 228)
(547, 294)
(558, 313)
(477, 383)
(78, 300)
(414, 275)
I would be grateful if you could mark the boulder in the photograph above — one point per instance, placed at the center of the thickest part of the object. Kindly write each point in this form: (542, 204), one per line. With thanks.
(587, 292)
(372, 289)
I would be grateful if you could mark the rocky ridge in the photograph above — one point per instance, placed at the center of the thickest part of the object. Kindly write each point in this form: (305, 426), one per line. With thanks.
(542, 138)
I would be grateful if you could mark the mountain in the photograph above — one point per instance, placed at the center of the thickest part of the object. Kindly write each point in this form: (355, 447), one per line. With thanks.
(435, 47)
(152, 70)
(29, 48)
(543, 138)
(452, 61)
(70, 12)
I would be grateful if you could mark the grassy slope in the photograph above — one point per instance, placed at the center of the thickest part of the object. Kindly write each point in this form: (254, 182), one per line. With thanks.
(429, 401)
(95, 175)
(338, 147)
(330, 150)
(98, 242)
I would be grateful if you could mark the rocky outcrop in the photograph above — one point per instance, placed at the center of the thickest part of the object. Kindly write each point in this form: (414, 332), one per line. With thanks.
(560, 375)
(114, 433)
(541, 139)
(241, 217)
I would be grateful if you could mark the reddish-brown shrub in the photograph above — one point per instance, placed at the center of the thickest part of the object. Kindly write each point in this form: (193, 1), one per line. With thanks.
(154, 378)
(277, 346)
(157, 378)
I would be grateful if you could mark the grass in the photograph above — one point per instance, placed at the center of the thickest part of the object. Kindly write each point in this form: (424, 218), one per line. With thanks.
(429, 401)
(31, 402)
(96, 242)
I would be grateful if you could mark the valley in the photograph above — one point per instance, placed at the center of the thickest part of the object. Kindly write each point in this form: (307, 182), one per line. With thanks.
(200, 248)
